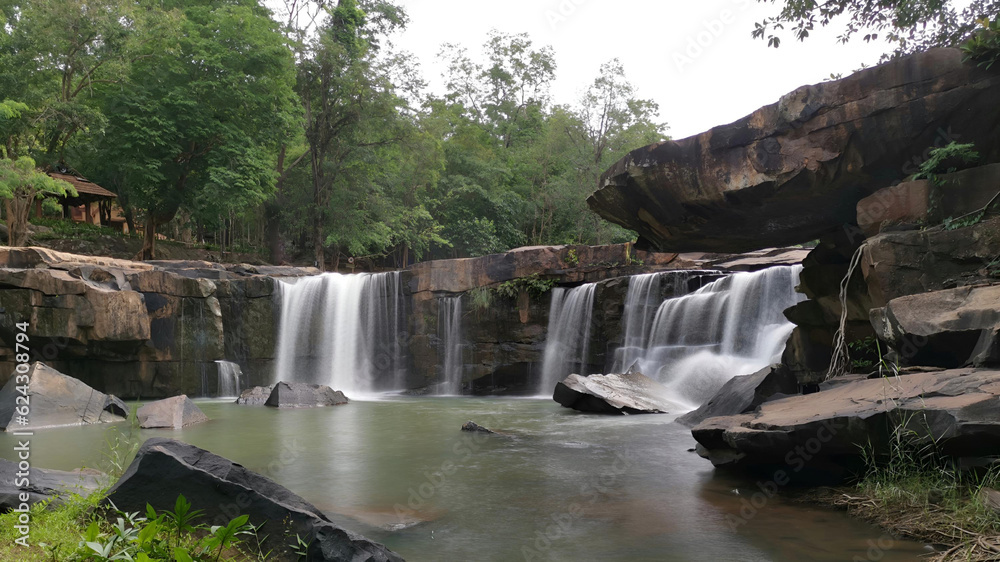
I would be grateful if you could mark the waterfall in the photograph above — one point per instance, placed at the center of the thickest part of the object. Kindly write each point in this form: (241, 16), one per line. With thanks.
(229, 379)
(344, 331)
(732, 326)
(645, 293)
(567, 343)
(450, 334)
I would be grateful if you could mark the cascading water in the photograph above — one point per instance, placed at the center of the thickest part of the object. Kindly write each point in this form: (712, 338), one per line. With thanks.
(645, 294)
(229, 379)
(450, 334)
(343, 331)
(733, 326)
(567, 343)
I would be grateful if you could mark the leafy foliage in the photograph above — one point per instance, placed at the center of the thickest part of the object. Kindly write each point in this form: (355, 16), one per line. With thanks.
(947, 159)
(20, 184)
(910, 25)
(534, 285)
(984, 45)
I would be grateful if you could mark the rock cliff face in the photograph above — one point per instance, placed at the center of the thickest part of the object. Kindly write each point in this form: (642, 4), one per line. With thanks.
(156, 329)
(793, 171)
(834, 162)
(137, 329)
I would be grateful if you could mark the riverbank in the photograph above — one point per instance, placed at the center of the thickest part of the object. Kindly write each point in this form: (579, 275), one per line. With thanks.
(955, 512)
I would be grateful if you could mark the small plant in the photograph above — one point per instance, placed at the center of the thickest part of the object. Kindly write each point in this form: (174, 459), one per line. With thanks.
(864, 353)
(984, 45)
(480, 299)
(945, 160)
(533, 284)
(300, 547)
(962, 222)
(121, 446)
(572, 259)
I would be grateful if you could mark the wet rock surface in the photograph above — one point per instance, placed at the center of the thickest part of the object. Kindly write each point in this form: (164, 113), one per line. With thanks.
(628, 393)
(170, 413)
(164, 469)
(56, 400)
(960, 409)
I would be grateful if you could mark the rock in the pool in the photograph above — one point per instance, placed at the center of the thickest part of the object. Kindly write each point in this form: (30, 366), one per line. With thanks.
(300, 395)
(56, 400)
(175, 413)
(628, 393)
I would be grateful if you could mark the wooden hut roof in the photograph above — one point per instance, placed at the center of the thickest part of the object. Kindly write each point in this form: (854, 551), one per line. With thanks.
(83, 185)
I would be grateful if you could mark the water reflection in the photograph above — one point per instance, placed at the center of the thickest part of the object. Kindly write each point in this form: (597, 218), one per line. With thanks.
(559, 486)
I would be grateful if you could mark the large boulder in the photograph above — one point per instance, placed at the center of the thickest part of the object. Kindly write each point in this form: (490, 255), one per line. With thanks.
(301, 395)
(173, 413)
(958, 409)
(743, 393)
(45, 485)
(795, 170)
(255, 396)
(922, 203)
(628, 393)
(947, 329)
(54, 400)
(896, 264)
(164, 469)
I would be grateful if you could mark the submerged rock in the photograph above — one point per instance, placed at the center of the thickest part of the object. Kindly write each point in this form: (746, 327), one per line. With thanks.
(175, 413)
(628, 393)
(827, 431)
(300, 395)
(44, 484)
(56, 400)
(795, 170)
(164, 469)
(255, 396)
(475, 427)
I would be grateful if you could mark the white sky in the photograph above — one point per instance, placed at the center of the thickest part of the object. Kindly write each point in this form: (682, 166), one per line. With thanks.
(733, 75)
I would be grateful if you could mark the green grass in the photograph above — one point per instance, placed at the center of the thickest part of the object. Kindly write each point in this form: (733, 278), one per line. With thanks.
(77, 530)
(912, 489)
(61, 525)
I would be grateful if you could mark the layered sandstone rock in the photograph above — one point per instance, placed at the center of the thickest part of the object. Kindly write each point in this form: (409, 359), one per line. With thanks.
(795, 170)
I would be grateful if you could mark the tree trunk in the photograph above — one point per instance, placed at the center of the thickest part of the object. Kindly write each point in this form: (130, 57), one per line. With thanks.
(18, 211)
(129, 213)
(272, 218)
(149, 240)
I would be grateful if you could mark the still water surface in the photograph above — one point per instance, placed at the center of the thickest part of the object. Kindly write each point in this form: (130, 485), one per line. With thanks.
(559, 486)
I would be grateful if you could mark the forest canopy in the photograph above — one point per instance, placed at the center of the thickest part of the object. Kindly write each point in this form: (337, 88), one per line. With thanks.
(302, 134)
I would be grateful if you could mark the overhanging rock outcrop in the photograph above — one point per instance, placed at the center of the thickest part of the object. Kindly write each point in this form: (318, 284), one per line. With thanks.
(794, 170)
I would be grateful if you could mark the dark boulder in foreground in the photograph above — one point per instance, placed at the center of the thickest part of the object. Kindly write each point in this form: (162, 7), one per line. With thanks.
(256, 396)
(629, 393)
(300, 395)
(164, 469)
(174, 413)
(56, 400)
(793, 171)
(828, 430)
(44, 484)
(743, 393)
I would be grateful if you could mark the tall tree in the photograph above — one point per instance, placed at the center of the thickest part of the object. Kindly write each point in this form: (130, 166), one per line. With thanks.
(351, 109)
(201, 127)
